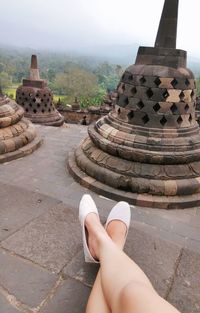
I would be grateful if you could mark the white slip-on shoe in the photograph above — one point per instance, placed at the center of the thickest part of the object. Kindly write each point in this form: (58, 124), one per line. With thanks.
(120, 212)
(86, 207)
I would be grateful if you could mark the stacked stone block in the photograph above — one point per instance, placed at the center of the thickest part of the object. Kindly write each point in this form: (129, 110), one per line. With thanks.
(147, 150)
(17, 135)
(37, 99)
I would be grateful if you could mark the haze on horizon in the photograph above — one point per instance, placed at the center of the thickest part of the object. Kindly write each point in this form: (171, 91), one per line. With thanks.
(65, 25)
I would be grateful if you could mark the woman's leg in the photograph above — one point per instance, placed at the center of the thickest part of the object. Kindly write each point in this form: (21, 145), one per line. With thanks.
(125, 286)
(97, 302)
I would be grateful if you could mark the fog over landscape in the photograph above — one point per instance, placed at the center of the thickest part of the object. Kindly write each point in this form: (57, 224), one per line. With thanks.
(96, 27)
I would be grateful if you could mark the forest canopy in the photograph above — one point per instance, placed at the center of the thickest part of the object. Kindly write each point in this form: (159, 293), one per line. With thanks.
(68, 76)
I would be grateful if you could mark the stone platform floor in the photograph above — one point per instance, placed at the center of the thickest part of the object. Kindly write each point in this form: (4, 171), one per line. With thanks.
(41, 260)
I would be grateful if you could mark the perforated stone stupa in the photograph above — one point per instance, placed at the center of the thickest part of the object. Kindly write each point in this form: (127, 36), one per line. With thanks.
(147, 150)
(17, 135)
(37, 99)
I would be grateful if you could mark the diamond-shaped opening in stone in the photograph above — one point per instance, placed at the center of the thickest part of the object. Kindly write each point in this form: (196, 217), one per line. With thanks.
(166, 94)
(187, 82)
(157, 81)
(192, 94)
(190, 118)
(143, 80)
(179, 120)
(130, 77)
(156, 107)
(119, 111)
(134, 90)
(126, 101)
(130, 115)
(182, 96)
(174, 82)
(145, 119)
(123, 87)
(149, 93)
(163, 121)
(140, 105)
(174, 108)
(187, 107)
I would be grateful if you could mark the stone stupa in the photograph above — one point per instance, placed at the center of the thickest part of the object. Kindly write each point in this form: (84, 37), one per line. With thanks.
(17, 134)
(37, 99)
(147, 150)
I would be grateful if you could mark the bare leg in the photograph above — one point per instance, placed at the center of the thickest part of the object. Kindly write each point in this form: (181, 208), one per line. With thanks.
(97, 302)
(125, 286)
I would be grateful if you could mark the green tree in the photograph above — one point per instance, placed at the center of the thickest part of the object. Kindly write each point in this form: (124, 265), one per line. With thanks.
(5, 80)
(108, 75)
(76, 82)
(2, 67)
(198, 86)
(51, 74)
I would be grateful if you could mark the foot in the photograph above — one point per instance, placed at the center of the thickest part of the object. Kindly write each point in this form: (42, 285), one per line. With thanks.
(118, 222)
(117, 230)
(96, 233)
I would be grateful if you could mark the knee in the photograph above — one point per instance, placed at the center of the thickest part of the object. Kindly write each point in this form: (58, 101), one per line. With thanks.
(133, 293)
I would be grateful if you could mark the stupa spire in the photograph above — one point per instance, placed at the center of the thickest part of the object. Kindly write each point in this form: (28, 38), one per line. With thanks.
(167, 31)
(34, 71)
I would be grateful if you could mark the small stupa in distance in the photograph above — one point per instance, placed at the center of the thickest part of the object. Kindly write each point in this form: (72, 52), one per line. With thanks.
(37, 99)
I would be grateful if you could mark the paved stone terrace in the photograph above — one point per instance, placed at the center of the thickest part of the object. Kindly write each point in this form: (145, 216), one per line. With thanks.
(41, 260)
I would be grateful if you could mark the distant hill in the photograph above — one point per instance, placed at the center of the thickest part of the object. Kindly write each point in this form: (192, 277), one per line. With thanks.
(126, 54)
(116, 54)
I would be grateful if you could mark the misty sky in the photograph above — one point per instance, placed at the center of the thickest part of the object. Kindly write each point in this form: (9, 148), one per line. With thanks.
(72, 24)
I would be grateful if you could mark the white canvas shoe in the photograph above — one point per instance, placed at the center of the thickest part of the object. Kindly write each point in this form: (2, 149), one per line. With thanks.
(86, 207)
(120, 212)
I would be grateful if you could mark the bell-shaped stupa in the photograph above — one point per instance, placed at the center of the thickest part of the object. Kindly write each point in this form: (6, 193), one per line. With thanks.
(37, 99)
(147, 150)
(17, 134)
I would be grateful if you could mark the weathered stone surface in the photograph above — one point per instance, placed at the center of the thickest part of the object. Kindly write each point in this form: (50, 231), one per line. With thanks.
(27, 282)
(16, 133)
(20, 208)
(6, 306)
(185, 294)
(37, 99)
(153, 122)
(50, 240)
(70, 297)
(42, 173)
(81, 271)
(156, 258)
